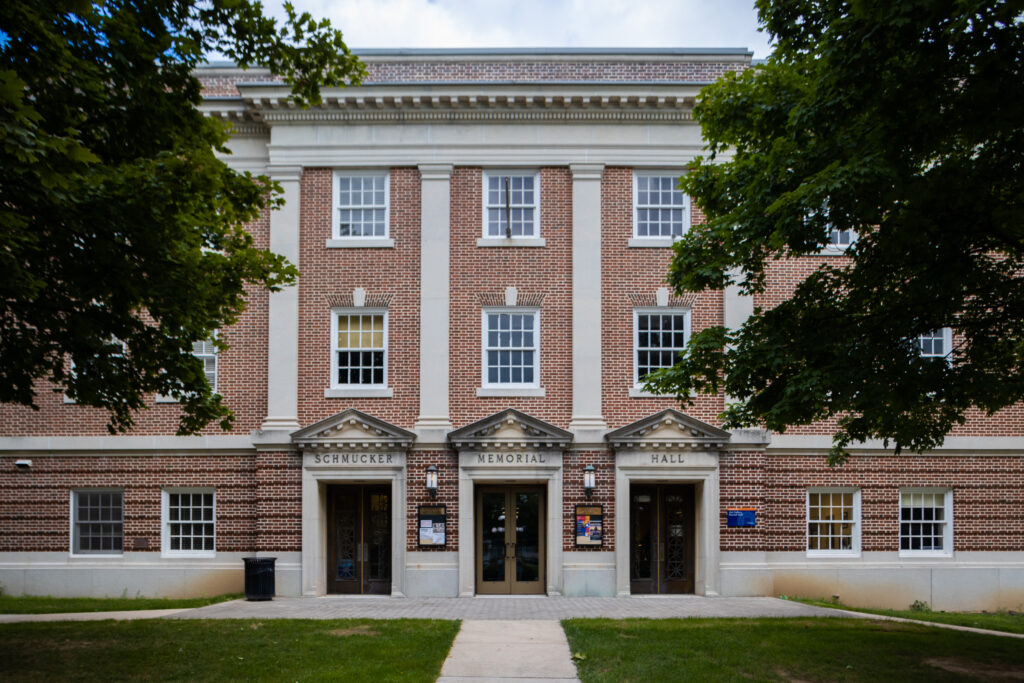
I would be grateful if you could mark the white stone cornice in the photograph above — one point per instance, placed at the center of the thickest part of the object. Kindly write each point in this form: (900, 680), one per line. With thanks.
(436, 171)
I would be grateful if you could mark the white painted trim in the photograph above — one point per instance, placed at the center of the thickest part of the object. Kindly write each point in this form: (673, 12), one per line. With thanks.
(387, 392)
(126, 445)
(360, 389)
(488, 386)
(336, 209)
(470, 475)
(856, 533)
(490, 392)
(523, 173)
(819, 444)
(947, 528)
(360, 243)
(72, 495)
(513, 242)
(704, 473)
(165, 522)
(637, 240)
(687, 314)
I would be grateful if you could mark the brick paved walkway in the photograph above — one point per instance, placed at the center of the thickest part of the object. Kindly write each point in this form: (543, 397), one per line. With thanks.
(486, 608)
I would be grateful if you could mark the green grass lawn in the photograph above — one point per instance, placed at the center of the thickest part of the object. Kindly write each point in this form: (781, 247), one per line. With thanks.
(34, 604)
(820, 649)
(209, 650)
(995, 621)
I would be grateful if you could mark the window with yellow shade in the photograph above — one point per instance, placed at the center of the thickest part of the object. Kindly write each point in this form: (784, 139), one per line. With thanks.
(833, 522)
(359, 353)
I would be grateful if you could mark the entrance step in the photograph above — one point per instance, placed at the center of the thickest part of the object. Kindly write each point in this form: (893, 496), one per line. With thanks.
(521, 650)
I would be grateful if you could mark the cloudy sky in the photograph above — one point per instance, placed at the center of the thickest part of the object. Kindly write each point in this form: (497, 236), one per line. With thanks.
(541, 23)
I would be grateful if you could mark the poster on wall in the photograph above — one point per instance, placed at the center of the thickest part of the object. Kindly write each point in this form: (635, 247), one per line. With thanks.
(432, 525)
(589, 525)
(741, 517)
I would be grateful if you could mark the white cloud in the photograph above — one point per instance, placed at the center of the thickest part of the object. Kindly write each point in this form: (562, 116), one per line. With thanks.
(542, 23)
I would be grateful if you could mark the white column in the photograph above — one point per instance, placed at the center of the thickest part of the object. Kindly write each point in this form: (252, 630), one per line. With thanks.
(283, 323)
(587, 422)
(434, 422)
(737, 307)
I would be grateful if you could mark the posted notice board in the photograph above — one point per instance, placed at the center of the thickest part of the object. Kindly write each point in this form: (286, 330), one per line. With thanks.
(589, 525)
(432, 525)
(741, 517)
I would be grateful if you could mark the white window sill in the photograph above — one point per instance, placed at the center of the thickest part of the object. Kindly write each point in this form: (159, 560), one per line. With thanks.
(96, 556)
(510, 242)
(189, 556)
(493, 392)
(659, 242)
(824, 555)
(69, 401)
(368, 392)
(833, 251)
(639, 392)
(925, 555)
(166, 399)
(361, 243)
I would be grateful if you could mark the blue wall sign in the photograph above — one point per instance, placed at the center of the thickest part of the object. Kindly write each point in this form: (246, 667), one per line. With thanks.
(741, 517)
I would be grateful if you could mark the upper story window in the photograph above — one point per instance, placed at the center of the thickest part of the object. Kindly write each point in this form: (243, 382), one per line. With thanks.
(841, 239)
(833, 522)
(659, 336)
(359, 353)
(206, 352)
(926, 522)
(511, 348)
(937, 343)
(660, 210)
(511, 205)
(97, 521)
(361, 202)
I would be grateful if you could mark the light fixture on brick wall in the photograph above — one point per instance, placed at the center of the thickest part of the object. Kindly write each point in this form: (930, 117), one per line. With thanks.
(589, 480)
(432, 480)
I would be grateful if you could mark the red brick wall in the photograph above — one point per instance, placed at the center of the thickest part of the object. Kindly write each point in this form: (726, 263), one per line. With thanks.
(241, 379)
(573, 495)
(476, 270)
(378, 271)
(988, 494)
(35, 505)
(627, 271)
(447, 464)
(278, 501)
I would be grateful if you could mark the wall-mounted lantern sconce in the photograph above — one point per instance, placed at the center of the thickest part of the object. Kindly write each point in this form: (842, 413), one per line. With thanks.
(23, 464)
(432, 480)
(589, 480)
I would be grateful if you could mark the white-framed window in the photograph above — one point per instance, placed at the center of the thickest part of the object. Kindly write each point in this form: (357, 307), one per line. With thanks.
(841, 239)
(359, 348)
(511, 348)
(97, 522)
(189, 522)
(206, 352)
(936, 344)
(926, 522)
(833, 522)
(361, 206)
(511, 205)
(659, 336)
(660, 210)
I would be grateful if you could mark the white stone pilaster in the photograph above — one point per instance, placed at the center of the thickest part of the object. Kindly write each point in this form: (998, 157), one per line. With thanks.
(737, 307)
(283, 310)
(587, 423)
(434, 422)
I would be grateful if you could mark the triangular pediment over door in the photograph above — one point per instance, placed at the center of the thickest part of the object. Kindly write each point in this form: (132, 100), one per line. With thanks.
(509, 428)
(352, 430)
(668, 429)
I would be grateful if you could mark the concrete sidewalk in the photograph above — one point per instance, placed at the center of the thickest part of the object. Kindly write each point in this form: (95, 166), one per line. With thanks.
(521, 650)
(124, 615)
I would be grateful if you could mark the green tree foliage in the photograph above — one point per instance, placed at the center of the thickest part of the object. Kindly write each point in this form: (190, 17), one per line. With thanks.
(118, 224)
(901, 121)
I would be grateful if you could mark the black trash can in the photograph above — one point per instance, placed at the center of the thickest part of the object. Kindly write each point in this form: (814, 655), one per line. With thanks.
(259, 578)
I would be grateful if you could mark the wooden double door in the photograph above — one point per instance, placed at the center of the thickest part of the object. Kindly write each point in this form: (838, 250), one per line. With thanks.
(359, 539)
(661, 538)
(510, 540)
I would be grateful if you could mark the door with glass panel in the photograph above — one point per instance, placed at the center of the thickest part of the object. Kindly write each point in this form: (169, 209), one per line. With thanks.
(510, 539)
(359, 539)
(661, 538)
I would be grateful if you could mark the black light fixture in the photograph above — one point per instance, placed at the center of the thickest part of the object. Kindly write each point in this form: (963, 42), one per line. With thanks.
(589, 480)
(432, 480)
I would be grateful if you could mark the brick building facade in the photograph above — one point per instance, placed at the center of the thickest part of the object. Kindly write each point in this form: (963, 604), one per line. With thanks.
(483, 237)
